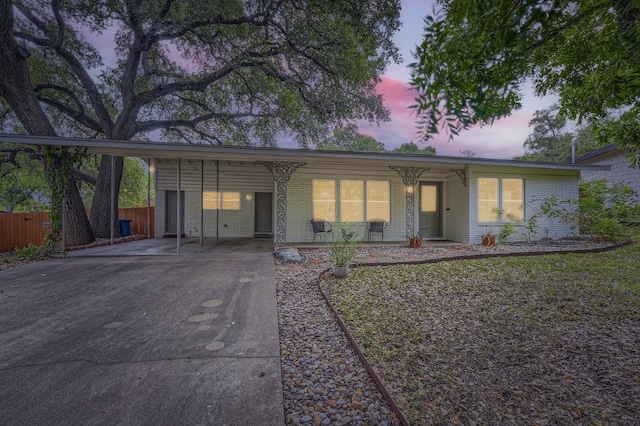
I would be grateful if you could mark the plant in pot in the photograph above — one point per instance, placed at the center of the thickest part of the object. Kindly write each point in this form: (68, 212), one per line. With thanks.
(342, 252)
(415, 241)
(489, 237)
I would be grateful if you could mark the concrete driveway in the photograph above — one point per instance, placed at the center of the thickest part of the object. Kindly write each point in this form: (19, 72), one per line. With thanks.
(179, 340)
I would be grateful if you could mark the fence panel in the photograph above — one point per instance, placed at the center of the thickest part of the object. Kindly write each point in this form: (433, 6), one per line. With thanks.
(22, 229)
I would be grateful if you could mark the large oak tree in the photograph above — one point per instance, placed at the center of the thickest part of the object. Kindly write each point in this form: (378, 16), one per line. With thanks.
(221, 72)
(476, 56)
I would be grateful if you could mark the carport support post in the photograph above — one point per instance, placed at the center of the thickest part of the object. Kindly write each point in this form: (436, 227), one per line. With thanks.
(178, 220)
(63, 243)
(149, 198)
(113, 198)
(281, 172)
(410, 176)
(201, 202)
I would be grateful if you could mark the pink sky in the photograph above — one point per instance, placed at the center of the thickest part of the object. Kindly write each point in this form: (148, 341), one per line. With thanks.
(502, 140)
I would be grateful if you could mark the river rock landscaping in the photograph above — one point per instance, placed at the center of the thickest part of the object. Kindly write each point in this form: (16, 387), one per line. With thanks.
(495, 341)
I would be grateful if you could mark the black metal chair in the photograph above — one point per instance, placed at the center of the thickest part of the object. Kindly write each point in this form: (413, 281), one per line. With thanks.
(376, 226)
(323, 228)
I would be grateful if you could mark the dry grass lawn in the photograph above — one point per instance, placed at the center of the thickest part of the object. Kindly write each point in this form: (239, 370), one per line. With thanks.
(541, 340)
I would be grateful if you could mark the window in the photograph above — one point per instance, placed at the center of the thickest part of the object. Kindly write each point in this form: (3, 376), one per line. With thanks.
(378, 200)
(498, 195)
(212, 200)
(351, 201)
(324, 199)
(359, 200)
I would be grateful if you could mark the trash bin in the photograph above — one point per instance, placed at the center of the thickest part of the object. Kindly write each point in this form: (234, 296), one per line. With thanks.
(125, 227)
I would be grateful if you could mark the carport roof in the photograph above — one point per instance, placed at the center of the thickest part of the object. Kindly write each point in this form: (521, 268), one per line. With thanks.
(167, 150)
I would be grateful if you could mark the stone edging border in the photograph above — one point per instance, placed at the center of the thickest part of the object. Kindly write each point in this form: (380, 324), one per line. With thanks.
(383, 390)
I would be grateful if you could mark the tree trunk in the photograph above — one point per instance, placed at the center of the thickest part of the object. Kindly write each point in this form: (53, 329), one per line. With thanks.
(76, 229)
(101, 206)
(17, 90)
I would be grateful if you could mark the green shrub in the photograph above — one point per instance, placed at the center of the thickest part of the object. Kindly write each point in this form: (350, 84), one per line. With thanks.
(600, 212)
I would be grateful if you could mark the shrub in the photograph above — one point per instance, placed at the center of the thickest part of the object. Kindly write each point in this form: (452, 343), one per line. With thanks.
(600, 212)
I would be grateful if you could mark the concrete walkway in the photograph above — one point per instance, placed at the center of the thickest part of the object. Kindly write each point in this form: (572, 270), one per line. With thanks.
(157, 340)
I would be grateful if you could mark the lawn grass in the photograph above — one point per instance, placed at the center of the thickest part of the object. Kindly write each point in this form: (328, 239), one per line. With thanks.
(551, 339)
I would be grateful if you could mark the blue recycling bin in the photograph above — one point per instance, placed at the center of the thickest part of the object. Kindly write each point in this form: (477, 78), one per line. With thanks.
(125, 227)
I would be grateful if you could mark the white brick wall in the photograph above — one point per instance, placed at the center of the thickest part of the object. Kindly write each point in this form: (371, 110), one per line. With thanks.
(456, 210)
(537, 187)
(300, 206)
(620, 170)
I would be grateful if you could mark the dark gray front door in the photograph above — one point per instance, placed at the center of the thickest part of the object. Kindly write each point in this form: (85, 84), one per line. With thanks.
(430, 209)
(171, 225)
(264, 213)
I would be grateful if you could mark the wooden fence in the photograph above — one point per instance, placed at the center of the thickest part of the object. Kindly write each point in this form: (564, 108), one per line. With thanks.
(22, 229)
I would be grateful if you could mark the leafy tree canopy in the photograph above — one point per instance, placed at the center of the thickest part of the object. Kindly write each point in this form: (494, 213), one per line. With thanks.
(551, 143)
(224, 72)
(412, 148)
(347, 138)
(476, 56)
(22, 184)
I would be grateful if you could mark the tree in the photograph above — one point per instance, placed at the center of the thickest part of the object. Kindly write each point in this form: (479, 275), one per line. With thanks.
(347, 138)
(412, 148)
(476, 56)
(550, 143)
(23, 187)
(467, 153)
(222, 72)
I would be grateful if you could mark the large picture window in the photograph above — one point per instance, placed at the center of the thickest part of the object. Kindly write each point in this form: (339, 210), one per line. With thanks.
(358, 200)
(499, 195)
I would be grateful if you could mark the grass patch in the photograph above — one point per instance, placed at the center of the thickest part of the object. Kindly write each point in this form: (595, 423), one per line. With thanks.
(527, 340)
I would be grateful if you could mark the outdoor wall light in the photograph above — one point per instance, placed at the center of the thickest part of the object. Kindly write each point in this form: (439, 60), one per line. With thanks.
(248, 197)
(409, 189)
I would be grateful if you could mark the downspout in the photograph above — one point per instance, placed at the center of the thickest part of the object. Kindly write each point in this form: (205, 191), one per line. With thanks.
(201, 202)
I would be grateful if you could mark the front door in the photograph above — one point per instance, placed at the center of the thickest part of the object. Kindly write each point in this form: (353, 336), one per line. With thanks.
(264, 214)
(430, 209)
(171, 224)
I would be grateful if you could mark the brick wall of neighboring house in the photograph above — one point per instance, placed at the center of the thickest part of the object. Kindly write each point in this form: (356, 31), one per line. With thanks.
(620, 170)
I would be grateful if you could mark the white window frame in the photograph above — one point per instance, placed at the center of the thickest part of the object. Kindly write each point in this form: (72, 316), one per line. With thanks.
(365, 200)
(501, 218)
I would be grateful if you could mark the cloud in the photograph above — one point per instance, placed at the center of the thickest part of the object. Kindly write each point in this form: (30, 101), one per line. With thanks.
(503, 139)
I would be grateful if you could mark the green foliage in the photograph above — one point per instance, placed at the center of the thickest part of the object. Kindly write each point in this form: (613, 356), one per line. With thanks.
(529, 227)
(344, 248)
(550, 143)
(507, 230)
(22, 184)
(231, 72)
(30, 252)
(476, 57)
(347, 138)
(412, 148)
(133, 186)
(600, 212)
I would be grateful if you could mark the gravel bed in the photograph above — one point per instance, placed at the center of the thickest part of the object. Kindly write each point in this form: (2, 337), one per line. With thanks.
(323, 380)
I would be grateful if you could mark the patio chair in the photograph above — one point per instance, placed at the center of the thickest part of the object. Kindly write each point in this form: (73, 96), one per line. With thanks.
(321, 227)
(376, 226)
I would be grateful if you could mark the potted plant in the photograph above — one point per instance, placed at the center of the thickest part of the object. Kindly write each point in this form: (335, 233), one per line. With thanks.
(415, 241)
(488, 238)
(342, 252)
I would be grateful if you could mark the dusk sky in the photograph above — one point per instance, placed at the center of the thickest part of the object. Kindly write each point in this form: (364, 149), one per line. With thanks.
(502, 140)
